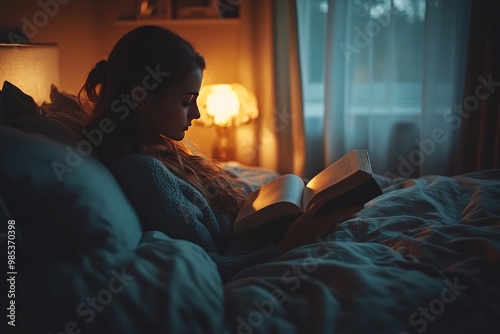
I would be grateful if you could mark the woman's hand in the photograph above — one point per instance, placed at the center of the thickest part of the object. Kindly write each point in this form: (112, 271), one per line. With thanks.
(306, 228)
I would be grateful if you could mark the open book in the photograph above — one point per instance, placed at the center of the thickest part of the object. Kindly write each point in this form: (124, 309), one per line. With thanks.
(346, 183)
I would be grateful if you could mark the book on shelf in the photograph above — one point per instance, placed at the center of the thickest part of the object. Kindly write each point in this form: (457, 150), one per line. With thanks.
(346, 183)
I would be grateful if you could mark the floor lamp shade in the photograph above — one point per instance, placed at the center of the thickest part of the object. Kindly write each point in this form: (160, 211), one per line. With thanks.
(30, 67)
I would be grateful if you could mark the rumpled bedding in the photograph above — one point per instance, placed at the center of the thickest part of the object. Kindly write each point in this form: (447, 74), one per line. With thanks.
(163, 286)
(424, 257)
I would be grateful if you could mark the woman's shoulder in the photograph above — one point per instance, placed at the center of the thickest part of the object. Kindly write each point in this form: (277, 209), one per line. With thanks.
(137, 164)
(136, 159)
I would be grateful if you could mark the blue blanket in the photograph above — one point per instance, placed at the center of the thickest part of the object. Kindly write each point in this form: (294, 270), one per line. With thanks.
(424, 257)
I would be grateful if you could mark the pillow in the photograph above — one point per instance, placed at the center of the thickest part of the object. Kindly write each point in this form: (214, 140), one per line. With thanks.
(62, 102)
(15, 103)
(4, 215)
(61, 200)
(61, 120)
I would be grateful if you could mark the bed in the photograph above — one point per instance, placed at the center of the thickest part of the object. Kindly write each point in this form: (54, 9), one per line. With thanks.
(423, 257)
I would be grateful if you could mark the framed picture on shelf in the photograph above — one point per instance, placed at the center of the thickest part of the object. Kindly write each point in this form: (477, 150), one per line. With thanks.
(229, 9)
(196, 9)
(153, 9)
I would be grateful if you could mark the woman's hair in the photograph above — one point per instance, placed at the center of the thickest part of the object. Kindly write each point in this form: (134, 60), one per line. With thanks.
(147, 60)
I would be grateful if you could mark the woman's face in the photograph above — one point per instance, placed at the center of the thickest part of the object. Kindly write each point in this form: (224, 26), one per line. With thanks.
(171, 112)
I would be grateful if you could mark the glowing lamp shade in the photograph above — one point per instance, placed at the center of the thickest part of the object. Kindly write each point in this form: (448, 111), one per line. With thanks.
(226, 106)
(30, 67)
(222, 104)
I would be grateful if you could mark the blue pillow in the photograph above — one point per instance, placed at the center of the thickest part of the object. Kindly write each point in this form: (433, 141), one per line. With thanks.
(63, 203)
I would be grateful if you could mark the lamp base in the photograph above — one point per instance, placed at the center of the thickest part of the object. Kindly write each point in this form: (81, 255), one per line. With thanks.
(223, 149)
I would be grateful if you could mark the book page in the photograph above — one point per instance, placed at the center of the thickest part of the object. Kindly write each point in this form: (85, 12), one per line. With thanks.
(286, 188)
(363, 161)
(335, 175)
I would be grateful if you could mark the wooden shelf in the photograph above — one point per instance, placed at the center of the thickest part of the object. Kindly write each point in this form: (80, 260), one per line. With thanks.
(171, 22)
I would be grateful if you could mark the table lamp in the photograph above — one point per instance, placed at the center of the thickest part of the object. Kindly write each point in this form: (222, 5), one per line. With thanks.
(226, 106)
(30, 67)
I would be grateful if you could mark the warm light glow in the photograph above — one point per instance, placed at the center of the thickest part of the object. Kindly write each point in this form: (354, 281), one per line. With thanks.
(30, 67)
(145, 10)
(226, 105)
(222, 104)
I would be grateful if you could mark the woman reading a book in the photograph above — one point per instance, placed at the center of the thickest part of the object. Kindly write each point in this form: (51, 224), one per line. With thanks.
(143, 100)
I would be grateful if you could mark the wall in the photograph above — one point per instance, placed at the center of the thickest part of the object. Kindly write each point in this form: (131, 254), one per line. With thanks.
(86, 30)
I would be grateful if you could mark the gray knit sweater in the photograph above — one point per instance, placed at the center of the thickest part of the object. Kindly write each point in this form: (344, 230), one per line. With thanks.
(167, 203)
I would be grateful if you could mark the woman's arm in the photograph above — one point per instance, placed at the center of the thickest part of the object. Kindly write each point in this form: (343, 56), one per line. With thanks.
(166, 203)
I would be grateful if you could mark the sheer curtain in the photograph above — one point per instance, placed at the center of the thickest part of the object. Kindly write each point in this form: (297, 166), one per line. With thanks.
(385, 75)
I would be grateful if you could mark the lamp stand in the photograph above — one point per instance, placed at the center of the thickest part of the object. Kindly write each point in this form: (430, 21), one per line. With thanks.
(223, 149)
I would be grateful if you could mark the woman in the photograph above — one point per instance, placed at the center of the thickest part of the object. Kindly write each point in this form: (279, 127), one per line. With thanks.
(143, 101)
